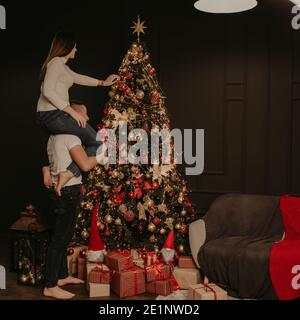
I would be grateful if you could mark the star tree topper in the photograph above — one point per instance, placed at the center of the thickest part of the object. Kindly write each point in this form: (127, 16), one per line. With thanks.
(139, 27)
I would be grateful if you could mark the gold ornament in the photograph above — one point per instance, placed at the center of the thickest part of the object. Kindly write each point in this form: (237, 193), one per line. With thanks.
(183, 213)
(109, 202)
(123, 208)
(115, 174)
(178, 226)
(180, 248)
(84, 234)
(118, 222)
(162, 231)
(180, 200)
(151, 227)
(108, 219)
(23, 278)
(140, 95)
(153, 238)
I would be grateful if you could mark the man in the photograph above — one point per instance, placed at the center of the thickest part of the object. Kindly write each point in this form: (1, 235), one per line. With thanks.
(62, 150)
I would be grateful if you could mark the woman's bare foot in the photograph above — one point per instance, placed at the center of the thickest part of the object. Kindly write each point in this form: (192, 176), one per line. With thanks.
(69, 280)
(63, 178)
(47, 177)
(58, 293)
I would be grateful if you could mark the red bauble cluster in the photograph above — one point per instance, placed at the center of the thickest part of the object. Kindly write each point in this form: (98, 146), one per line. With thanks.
(70, 251)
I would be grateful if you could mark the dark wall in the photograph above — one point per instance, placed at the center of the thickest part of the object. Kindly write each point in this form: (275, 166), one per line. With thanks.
(236, 76)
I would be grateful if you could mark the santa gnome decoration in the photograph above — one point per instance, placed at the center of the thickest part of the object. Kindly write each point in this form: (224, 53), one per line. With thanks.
(168, 251)
(96, 249)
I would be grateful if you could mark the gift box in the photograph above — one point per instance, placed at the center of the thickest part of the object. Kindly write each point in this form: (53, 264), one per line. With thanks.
(129, 283)
(186, 277)
(97, 290)
(101, 276)
(158, 271)
(151, 258)
(73, 260)
(208, 291)
(139, 263)
(186, 262)
(92, 265)
(81, 268)
(160, 287)
(119, 260)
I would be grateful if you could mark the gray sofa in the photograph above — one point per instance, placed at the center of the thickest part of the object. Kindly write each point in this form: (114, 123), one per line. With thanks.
(231, 244)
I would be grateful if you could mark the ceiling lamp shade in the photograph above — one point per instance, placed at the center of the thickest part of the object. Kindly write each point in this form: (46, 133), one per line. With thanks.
(225, 6)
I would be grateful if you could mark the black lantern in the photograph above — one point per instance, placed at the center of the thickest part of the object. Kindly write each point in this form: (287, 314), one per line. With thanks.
(29, 242)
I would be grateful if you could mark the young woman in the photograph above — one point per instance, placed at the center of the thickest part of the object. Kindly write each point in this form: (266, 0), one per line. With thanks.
(62, 149)
(54, 112)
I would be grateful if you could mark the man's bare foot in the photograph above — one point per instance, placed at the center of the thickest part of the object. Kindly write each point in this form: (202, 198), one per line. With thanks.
(63, 178)
(69, 280)
(47, 177)
(58, 293)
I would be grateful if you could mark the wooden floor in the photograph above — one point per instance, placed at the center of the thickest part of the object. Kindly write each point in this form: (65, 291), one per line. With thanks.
(19, 292)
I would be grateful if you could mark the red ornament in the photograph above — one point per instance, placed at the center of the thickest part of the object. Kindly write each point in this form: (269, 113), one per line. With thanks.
(147, 185)
(101, 226)
(140, 228)
(107, 233)
(129, 216)
(156, 221)
(95, 194)
(155, 185)
(70, 251)
(83, 253)
(120, 84)
(152, 71)
(171, 194)
(127, 90)
(128, 76)
(131, 195)
(187, 203)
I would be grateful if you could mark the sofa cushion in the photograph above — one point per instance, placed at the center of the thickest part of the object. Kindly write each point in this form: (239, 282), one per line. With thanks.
(241, 263)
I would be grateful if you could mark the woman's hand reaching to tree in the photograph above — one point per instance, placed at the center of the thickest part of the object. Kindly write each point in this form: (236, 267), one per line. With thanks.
(110, 80)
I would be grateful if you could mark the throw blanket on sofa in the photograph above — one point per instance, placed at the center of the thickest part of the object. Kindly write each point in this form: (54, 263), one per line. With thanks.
(285, 255)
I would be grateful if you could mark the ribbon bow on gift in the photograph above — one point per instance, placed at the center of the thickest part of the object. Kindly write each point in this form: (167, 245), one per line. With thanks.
(104, 274)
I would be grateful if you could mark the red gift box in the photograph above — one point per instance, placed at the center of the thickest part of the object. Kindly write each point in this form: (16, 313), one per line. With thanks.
(119, 260)
(160, 287)
(129, 283)
(158, 271)
(81, 268)
(186, 262)
(101, 276)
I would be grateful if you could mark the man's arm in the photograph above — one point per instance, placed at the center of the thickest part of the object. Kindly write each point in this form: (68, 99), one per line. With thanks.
(84, 162)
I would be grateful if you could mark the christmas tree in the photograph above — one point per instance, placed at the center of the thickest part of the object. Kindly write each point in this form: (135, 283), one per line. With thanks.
(138, 203)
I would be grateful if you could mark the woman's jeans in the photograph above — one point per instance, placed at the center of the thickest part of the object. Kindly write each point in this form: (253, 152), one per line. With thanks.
(66, 210)
(60, 122)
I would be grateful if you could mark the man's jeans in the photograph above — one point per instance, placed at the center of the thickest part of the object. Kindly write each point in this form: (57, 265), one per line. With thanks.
(59, 122)
(66, 210)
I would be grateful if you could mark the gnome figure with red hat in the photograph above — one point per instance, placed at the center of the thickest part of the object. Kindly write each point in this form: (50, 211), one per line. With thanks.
(168, 251)
(96, 249)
